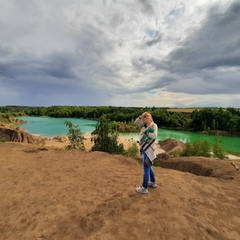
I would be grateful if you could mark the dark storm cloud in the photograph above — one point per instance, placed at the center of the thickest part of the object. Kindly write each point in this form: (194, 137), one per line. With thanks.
(211, 54)
(65, 52)
(55, 65)
(215, 44)
(146, 7)
(75, 62)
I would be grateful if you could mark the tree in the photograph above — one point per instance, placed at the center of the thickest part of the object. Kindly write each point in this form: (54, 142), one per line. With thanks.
(75, 137)
(197, 148)
(218, 149)
(105, 139)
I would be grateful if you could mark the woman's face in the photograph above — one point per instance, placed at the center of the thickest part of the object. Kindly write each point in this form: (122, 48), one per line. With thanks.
(147, 118)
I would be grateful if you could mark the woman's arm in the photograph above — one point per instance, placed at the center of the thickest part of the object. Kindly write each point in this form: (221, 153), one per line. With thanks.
(138, 121)
(154, 134)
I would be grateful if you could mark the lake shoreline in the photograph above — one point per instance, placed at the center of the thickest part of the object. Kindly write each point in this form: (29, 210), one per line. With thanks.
(51, 127)
(62, 141)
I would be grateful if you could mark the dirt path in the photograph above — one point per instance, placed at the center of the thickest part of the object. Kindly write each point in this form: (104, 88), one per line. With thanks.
(60, 194)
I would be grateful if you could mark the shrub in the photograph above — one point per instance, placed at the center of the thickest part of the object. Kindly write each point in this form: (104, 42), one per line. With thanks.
(218, 149)
(75, 137)
(209, 170)
(132, 151)
(197, 148)
(3, 140)
(105, 139)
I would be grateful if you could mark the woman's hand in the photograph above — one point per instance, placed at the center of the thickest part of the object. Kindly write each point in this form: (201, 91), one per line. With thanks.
(145, 113)
(143, 130)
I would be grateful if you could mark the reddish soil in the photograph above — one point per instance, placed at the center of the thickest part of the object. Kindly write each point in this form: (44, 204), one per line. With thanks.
(70, 194)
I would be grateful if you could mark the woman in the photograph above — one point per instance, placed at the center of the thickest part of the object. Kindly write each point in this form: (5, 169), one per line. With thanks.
(147, 149)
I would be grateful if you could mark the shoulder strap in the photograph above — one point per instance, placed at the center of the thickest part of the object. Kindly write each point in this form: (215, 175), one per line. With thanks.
(144, 144)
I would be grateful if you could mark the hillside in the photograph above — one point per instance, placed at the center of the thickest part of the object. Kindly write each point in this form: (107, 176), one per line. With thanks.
(60, 194)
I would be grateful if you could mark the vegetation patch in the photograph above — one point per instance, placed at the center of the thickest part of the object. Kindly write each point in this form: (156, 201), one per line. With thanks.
(3, 140)
(75, 137)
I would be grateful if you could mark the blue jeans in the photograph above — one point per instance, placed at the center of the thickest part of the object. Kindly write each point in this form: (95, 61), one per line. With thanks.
(148, 173)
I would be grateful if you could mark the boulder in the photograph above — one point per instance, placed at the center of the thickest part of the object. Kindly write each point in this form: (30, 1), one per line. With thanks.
(17, 135)
(60, 138)
(172, 146)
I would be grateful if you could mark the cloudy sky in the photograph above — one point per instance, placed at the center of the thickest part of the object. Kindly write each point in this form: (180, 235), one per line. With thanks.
(162, 53)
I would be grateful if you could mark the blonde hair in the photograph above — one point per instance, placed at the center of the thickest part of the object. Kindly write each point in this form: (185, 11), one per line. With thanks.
(150, 115)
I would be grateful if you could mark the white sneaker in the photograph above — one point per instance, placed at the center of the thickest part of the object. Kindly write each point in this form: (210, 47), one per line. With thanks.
(152, 184)
(141, 190)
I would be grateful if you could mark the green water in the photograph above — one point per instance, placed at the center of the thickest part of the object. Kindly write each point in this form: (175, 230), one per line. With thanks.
(50, 127)
(231, 144)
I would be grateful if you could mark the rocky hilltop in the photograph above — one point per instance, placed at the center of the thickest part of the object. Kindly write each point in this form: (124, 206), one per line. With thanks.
(11, 134)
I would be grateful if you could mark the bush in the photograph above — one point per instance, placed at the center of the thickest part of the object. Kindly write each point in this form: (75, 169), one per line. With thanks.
(202, 148)
(105, 139)
(218, 149)
(197, 148)
(132, 151)
(3, 140)
(75, 137)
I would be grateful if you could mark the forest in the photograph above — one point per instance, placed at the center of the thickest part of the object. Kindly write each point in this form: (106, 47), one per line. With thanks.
(197, 120)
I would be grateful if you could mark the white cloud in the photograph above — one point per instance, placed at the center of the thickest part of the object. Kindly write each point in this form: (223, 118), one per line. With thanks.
(167, 53)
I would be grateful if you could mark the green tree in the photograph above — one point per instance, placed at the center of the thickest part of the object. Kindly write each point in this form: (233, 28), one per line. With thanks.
(197, 148)
(218, 149)
(75, 137)
(105, 139)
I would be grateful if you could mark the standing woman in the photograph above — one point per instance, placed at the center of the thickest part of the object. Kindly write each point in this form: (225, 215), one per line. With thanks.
(148, 135)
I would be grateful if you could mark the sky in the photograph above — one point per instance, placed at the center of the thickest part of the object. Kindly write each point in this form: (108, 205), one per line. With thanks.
(131, 53)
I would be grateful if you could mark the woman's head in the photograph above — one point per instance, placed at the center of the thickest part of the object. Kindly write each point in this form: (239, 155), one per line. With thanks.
(147, 117)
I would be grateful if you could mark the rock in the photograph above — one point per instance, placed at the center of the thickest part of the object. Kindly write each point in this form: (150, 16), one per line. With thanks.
(17, 135)
(61, 138)
(172, 146)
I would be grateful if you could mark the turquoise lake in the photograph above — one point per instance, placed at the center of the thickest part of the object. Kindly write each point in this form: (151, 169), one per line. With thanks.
(50, 127)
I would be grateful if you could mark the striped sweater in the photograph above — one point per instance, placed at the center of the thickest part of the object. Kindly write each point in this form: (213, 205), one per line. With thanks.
(153, 135)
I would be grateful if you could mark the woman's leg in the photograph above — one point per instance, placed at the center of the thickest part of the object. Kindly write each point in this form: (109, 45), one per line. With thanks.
(146, 170)
(152, 175)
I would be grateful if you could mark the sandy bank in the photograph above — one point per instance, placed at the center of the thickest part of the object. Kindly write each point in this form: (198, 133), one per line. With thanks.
(70, 194)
